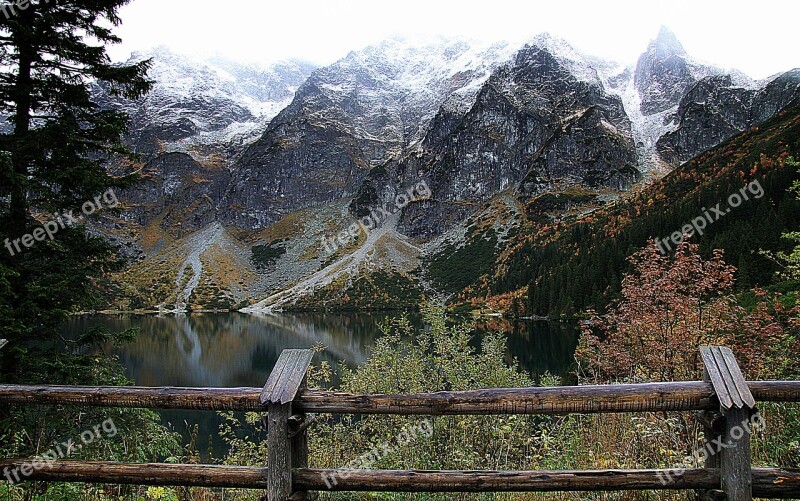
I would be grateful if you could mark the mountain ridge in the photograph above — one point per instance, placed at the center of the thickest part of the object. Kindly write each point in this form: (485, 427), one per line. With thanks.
(473, 121)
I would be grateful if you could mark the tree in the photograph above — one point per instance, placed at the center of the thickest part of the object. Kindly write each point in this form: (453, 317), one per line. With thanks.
(667, 310)
(53, 156)
(791, 261)
(671, 305)
(54, 153)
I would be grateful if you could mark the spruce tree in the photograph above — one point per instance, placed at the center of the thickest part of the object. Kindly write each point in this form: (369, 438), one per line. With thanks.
(54, 153)
(55, 147)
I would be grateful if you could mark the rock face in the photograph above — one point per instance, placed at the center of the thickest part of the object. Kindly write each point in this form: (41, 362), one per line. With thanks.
(665, 72)
(717, 108)
(779, 93)
(177, 193)
(542, 121)
(349, 118)
(198, 116)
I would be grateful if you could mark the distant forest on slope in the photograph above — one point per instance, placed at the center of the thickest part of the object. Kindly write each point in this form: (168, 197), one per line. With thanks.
(578, 265)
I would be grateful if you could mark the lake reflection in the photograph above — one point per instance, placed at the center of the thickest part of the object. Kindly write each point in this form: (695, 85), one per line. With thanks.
(235, 350)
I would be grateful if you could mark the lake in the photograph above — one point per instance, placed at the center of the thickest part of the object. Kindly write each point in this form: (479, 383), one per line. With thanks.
(235, 350)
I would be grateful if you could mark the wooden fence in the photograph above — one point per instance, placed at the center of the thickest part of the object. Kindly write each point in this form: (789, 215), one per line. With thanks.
(724, 400)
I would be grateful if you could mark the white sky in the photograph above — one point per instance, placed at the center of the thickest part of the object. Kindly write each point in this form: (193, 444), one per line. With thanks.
(757, 37)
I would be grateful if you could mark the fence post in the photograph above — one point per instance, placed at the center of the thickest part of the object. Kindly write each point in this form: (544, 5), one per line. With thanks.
(738, 407)
(298, 436)
(282, 386)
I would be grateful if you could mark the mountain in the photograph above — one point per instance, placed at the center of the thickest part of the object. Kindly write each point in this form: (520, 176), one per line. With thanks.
(543, 121)
(349, 118)
(198, 106)
(188, 129)
(552, 263)
(279, 165)
(665, 72)
(716, 108)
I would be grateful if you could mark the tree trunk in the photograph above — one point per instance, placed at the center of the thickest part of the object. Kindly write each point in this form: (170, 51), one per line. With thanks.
(23, 103)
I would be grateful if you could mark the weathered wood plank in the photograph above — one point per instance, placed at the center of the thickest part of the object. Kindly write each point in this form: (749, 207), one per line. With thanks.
(767, 482)
(279, 461)
(287, 376)
(728, 378)
(713, 374)
(738, 379)
(296, 379)
(275, 376)
(730, 386)
(681, 396)
(735, 465)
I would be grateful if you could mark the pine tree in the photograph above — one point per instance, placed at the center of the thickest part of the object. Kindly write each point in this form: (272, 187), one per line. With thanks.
(54, 152)
(53, 156)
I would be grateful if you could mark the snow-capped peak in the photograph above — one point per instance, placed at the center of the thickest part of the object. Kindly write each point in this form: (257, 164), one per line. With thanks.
(406, 81)
(582, 66)
(666, 45)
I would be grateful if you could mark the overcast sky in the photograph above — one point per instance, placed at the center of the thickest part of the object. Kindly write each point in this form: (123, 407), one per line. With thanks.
(757, 37)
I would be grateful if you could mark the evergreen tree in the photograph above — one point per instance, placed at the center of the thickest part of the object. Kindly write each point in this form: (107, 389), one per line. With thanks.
(53, 154)
(54, 150)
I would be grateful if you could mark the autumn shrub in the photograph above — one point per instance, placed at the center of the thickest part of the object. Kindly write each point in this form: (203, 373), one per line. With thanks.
(671, 306)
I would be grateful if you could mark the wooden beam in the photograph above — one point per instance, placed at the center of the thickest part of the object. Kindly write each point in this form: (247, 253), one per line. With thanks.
(738, 406)
(776, 483)
(736, 458)
(279, 460)
(767, 482)
(287, 378)
(210, 399)
(713, 427)
(775, 391)
(298, 437)
(504, 481)
(654, 397)
(651, 397)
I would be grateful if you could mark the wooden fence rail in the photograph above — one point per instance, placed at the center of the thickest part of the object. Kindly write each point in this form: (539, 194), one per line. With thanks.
(725, 399)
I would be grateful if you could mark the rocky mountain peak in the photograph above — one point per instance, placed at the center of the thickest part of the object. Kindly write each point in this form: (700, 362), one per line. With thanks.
(666, 45)
(665, 72)
(565, 55)
(195, 103)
